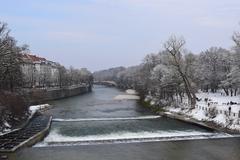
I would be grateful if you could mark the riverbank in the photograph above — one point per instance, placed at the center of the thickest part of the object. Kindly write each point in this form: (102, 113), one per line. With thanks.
(43, 95)
(211, 111)
(204, 124)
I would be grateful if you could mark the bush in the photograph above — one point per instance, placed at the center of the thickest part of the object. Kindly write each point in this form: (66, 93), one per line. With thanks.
(15, 103)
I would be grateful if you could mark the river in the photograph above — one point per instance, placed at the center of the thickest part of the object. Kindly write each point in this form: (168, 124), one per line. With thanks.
(96, 126)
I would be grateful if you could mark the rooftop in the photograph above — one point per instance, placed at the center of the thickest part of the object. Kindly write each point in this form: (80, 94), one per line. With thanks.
(32, 58)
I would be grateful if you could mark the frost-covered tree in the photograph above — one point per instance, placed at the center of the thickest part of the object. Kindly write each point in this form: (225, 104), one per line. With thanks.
(108, 74)
(236, 38)
(233, 78)
(213, 68)
(73, 76)
(228, 83)
(130, 77)
(166, 82)
(191, 65)
(175, 48)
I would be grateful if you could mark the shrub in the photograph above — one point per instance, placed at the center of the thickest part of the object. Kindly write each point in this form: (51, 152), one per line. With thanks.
(14, 102)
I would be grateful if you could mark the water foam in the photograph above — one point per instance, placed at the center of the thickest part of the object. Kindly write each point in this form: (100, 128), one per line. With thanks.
(56, 139)
(105, 119)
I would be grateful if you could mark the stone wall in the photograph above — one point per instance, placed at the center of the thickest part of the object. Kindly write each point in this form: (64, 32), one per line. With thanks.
(37, 96)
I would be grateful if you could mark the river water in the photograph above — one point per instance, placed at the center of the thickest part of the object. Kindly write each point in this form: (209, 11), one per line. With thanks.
(97, 117)
(94, 126)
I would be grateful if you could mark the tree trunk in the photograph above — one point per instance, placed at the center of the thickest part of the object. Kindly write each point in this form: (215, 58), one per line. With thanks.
(191, 95)
(235, 92)
(226, 91)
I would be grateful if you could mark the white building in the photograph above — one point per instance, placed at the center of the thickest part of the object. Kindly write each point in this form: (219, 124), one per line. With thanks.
(39, 72)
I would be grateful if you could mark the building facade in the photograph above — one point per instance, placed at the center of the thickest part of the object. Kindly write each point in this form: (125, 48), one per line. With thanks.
(39, 72)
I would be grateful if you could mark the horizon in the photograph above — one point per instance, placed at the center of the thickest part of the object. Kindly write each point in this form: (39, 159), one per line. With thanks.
(103, 34)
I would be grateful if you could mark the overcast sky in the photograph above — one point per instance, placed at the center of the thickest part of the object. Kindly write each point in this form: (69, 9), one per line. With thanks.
(99, 34)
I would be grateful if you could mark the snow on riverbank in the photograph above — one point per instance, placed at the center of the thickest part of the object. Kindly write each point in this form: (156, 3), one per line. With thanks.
(212, 107)
(35, 108)
(227, 109)
(131, 91)
(130, 95)
(219, 101)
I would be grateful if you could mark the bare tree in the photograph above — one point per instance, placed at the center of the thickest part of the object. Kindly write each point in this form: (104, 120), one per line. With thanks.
(10, 71)
(61, 75)
(4, 42)
(175, 47)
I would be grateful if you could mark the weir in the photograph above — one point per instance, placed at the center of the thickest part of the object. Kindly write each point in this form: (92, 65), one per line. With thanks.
(105, 119)
(138, 140)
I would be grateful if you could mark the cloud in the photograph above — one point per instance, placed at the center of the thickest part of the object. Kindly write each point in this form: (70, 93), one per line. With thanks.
(214, 22)
(76, 36)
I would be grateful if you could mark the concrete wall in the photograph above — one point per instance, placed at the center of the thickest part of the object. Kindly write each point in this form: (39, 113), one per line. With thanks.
(37, 96)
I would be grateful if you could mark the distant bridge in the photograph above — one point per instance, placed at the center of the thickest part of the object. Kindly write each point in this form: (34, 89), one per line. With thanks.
(106, 83)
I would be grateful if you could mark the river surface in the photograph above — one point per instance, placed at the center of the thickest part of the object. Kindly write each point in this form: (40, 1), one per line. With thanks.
(95, 126)
(97, 117)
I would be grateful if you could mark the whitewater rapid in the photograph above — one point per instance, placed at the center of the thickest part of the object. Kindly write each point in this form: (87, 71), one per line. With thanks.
(55, 138)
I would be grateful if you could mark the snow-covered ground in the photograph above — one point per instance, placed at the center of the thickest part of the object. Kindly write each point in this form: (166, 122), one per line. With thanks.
(213, 107)
(220, 101)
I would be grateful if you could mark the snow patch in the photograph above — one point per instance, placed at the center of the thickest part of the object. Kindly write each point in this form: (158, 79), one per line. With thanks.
(198, 114)
(36, 108)
(220, 119)
(131, 91)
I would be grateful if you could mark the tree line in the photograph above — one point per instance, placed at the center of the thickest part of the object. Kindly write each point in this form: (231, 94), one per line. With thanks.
(175, 72)
(73, 76)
